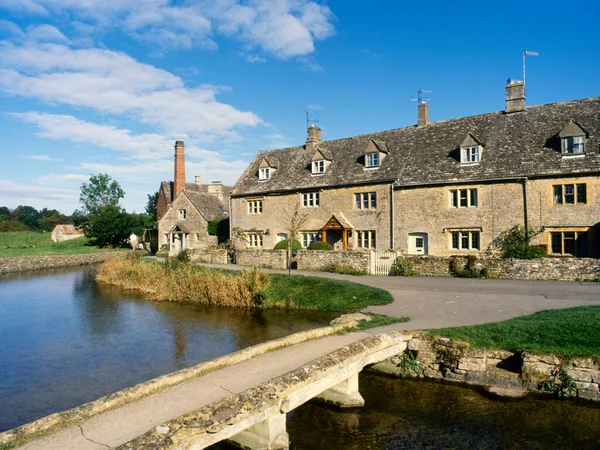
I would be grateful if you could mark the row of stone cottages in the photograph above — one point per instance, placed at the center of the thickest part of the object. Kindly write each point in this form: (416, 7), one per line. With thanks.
(435, 188)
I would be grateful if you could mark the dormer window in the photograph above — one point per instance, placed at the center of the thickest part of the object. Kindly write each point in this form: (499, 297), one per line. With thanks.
(264, 173)
(372, 160)
(572, 140)
(318, 166)
(470, 150)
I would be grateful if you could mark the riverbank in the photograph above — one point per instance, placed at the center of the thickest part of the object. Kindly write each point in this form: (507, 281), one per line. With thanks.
(17, 244)
(27, 263)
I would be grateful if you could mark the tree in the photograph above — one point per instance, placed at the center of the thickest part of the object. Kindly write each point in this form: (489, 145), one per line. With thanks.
(151, 205)
(4, 213)
(27, 215)
(101, 191)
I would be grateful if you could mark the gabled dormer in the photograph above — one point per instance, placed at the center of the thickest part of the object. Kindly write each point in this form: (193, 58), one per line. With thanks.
(321, 160)
(375, 153)
(572, 140)
(471, 149)
(266, 168)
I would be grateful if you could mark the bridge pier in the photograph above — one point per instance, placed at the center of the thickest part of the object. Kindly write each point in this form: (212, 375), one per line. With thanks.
(270, 434)
(344, 394)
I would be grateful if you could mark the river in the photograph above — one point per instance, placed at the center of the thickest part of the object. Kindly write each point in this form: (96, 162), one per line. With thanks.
(64, 340)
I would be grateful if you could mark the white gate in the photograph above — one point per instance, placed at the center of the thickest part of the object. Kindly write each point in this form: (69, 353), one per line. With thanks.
(382, 263)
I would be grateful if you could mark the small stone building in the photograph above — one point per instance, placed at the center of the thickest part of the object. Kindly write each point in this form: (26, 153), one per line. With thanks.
(184, 209)
(65, 233)
(435, 188)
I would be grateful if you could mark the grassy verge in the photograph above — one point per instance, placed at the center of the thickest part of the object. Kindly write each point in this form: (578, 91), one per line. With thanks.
(377, 320)
(564, 332)
(29, 243)
(180, 282)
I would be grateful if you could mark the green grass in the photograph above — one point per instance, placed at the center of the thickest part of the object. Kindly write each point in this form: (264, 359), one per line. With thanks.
(563, 332)
(29, 243)
(302, 292)
(377, 320)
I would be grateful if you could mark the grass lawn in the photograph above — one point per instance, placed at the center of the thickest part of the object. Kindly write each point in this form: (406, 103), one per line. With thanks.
(565, 332)
(29, 243)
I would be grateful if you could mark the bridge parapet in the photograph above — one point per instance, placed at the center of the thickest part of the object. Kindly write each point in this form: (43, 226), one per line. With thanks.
(255, 418)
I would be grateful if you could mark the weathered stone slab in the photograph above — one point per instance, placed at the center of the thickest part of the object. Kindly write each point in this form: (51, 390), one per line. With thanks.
(506, 391)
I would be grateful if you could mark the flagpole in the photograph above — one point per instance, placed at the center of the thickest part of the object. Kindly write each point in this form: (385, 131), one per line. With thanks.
(524, 72)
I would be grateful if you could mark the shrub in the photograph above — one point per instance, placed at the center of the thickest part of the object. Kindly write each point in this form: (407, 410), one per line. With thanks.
(404, 268)
(319, 245)
(516, 243)
(283, 245)
(469, 271)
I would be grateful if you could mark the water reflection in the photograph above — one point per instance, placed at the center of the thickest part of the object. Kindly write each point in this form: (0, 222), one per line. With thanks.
(66, 340)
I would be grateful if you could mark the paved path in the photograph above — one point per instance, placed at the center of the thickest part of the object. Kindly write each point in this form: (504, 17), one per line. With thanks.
(433, 302)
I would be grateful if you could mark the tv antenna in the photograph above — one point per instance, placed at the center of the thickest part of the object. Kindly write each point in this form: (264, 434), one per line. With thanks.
(422, 96)
(307, 112)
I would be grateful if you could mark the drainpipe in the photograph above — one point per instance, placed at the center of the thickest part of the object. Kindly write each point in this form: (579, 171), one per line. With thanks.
(392, 214)
(525, 209)
(230, 220)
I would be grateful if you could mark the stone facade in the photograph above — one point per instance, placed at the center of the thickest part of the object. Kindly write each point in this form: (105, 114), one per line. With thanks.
(326, 260)
(208, 255)
(269, 259)
(9, 265)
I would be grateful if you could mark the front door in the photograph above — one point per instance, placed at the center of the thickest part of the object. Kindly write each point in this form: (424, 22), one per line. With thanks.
(334, 238)
(417, 244)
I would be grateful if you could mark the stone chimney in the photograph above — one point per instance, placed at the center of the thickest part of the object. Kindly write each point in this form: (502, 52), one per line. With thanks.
(197, 180)
(423, 109)
(216, 188)
(313, 138)
(515, 96)
(179, 178)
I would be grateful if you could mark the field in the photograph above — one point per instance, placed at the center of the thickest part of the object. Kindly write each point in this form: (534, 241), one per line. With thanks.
(29, 243)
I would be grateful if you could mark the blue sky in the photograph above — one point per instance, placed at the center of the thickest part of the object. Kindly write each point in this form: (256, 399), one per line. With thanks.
(90, 86)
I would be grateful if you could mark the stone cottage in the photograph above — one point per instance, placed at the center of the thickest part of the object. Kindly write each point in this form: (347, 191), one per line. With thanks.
(184, 209)
(65, 233)
(435, 188)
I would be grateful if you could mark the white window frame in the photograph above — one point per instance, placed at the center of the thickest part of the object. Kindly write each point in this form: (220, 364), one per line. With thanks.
(372, 160)
(470, 155)
(182, 214)
(318, 167)
(255, 206)
(464, 198)
(254, 240)
(311, 200)
(366, 239)
(264, 173)
(365, 200)
(574, 145)
(471, 237)
(308, 237)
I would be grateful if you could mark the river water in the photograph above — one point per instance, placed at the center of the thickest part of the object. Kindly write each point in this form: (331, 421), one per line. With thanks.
(64, 340)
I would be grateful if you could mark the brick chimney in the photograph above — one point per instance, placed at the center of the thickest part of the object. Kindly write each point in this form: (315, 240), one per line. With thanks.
(423, 109)
(515, 96)
(314, 137)
(179, 179)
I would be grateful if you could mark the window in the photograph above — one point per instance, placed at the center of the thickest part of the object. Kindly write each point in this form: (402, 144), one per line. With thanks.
(569, 243)
(463, 198)
(309, 237)
(182, 214)
(366, 239)
(255, 240)
(465, 240)
(255, 207)
(569, 194)
(310, 200)
(318, 166)
(472, 154)
(372, 160)
(264, 173)
(366, 200)
(574, 145)
(197, 236)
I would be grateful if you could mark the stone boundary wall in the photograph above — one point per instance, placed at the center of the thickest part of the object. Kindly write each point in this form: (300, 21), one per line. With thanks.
(319, 260)
(444, 359)
(269, 259)
(210, 256)
(21, 264)
(561, 269)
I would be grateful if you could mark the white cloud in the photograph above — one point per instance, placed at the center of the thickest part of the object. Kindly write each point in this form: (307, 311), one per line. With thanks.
(39, 196)
(112, 82)
(63, 178)
(255, 59)
(42, 158)
(46, 33)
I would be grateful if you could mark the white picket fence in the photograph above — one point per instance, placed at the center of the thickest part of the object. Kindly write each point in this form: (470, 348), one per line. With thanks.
(382, 263)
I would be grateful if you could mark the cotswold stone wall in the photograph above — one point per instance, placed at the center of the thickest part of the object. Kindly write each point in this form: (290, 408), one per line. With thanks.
(564, 269)
(442, 358)
(211, 256)
(323, 260)
(8, 265)
(270, 259)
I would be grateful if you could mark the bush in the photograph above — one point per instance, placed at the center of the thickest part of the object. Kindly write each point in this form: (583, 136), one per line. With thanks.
(516, 243)
(404, 268)
(318, 245)
(283, 245)
(469, 271)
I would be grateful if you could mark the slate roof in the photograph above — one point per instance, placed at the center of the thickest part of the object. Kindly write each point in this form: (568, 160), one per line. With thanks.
(208, 205)
(167, 187)
(68, 229)
(518, 144)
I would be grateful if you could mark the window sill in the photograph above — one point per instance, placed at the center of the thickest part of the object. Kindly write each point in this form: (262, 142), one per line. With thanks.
(372, 167)
(317, 174)
(573, 155)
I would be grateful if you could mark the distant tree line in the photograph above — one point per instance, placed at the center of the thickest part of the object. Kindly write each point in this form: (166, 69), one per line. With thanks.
(27, 218)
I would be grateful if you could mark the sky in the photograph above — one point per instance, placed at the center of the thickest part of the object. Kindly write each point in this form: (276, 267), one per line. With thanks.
(90, 86)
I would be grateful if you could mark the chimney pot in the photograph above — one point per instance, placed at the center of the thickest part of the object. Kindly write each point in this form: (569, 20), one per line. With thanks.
(423, 110)
(515, 96)
(314, 137)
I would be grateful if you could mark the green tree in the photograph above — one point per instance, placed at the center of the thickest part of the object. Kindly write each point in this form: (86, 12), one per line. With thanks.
(101, 191)
(4, 213)
(151, 205)
(27, 215)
